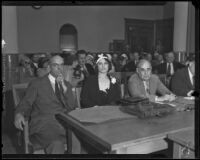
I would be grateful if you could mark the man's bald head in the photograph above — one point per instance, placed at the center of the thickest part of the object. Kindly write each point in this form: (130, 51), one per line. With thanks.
(144, 69)
(143, 62)
(56, 58)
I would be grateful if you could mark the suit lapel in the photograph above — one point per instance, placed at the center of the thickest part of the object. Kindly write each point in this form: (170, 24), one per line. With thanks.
(187, 78)
(141, 85)
(51, 91)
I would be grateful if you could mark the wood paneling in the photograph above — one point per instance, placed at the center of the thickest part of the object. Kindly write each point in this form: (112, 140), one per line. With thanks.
(147, 35)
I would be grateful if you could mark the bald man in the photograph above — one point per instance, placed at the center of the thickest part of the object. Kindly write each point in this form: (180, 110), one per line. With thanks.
(45, 97)
(145, 84)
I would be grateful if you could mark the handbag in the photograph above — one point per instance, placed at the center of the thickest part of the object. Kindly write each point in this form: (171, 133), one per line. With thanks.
(147, 109)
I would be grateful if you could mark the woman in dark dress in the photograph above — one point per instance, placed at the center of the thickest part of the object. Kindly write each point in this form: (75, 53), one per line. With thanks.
(100, 89)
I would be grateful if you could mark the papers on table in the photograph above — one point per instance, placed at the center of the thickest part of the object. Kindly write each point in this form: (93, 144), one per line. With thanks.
(99, 114)
(181, 103)
(189, 98)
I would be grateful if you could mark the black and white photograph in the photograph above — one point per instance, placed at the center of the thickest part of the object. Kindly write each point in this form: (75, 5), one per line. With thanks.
(99, 79)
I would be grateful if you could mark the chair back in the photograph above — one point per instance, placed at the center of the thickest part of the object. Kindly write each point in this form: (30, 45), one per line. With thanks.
(19, 91)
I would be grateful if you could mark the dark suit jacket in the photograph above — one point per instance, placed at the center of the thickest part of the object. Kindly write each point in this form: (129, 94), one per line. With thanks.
(137, 89)
(180, 82)
(129, 67)
(90, 69)
(162, 68)
(41, 104)
(92, 96)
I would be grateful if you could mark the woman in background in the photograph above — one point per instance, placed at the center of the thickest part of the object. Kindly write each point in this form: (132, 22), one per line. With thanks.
(100, 89)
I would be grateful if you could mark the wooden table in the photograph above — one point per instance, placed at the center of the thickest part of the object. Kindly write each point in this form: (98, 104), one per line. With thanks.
(128, 136)
(183, 144)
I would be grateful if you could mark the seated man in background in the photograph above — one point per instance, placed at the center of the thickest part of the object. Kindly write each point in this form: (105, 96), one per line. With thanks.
(83, 69)
(45, 97)
(27, 71)
(131, 65)
(182, 83)
(43, 66)
(144, 84)
(169, 67)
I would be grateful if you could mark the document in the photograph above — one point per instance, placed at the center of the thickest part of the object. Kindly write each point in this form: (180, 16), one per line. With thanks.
(99, 114)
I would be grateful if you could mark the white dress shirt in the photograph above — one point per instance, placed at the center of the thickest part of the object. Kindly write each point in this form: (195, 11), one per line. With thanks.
(52, 81)
(171, 67)
(191, 76)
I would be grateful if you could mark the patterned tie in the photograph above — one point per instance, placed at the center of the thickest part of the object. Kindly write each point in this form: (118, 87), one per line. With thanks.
(147, 88)
(58, 93)
(169, 70)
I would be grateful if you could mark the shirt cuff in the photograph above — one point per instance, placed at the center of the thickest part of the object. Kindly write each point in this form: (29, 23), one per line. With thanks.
(156, 98)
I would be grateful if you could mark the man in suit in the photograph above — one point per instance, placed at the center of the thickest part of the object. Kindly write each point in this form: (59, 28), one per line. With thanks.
(46, 96)
(83, 69)
(169, 67)
(131, 65)
(182, 83)
(144, 84)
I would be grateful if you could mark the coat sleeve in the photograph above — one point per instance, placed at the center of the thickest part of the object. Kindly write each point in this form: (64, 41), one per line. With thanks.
(86, 96)
(25, 105)
(161, 88)
(177, 85)
(69, 98)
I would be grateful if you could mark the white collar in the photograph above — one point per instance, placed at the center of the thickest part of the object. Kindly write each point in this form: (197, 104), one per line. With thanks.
(190, 74)
(52, 78)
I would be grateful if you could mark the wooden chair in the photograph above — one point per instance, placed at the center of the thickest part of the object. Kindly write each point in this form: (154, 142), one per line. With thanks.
(18, 93)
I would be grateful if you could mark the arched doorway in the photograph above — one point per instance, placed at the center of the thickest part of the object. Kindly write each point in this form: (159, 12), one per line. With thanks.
(68, 38)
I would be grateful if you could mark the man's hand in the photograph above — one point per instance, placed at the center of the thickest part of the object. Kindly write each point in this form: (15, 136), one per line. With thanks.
(19, 121)
(189, 94)
(167, 97)
(60, 80)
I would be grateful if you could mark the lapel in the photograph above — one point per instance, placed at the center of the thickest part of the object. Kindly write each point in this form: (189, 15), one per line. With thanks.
(187, 78)
(50, 89)
(151, 85)
(141, 85)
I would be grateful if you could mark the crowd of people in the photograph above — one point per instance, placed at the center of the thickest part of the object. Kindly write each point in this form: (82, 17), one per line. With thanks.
(51, 91)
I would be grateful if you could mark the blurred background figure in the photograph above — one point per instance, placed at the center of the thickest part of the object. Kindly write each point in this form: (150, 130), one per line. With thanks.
(27, 70)
(157, 60)
(131, 65)
(43, 66)
(148, 57)
(169, 67)
(123, 59)
(89, 60)
(183, 81)
(82, 69)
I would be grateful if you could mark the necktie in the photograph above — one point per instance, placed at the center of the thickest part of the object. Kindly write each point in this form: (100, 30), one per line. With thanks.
(169, 70)
(147, 87)
(59, 94)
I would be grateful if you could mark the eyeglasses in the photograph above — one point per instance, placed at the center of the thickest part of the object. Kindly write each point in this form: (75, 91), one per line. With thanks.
(145, 70)
(57, 65)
